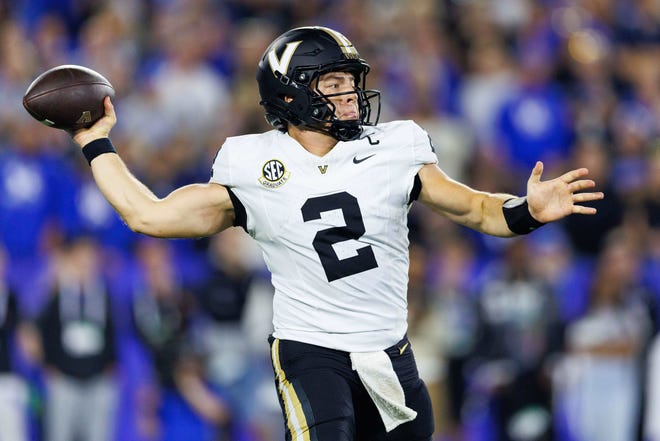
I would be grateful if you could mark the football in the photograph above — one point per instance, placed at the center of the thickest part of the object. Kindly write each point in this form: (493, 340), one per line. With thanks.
(68, 97)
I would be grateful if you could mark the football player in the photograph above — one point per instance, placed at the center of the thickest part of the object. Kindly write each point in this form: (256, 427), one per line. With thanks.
(326, 196)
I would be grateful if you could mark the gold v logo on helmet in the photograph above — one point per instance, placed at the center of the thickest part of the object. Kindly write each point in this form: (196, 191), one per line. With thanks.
(281, 64)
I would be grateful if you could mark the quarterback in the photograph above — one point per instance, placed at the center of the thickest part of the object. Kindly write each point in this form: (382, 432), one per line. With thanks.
(326, 195)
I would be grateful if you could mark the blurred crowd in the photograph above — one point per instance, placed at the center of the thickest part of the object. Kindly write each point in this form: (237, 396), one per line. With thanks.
(108, 335)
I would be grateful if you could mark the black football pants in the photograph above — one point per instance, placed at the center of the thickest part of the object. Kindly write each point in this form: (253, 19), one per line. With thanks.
(323, 399)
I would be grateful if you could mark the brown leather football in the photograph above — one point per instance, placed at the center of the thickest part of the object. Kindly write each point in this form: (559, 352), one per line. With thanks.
(68, 97)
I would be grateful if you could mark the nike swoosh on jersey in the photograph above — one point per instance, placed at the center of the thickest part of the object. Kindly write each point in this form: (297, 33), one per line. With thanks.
(403, 348)
(357, 161)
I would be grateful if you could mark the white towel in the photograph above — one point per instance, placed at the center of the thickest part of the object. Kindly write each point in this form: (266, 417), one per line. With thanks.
(377, 374)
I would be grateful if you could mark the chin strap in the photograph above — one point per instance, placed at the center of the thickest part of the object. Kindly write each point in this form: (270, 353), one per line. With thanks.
(345, 130)
(340, 130)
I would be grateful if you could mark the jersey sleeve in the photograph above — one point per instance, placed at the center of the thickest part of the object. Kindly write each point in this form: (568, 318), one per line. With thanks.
(221, 173)
(221, 169)
(423, 148)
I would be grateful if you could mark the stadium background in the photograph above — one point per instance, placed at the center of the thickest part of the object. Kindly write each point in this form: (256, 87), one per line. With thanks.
(557, 329)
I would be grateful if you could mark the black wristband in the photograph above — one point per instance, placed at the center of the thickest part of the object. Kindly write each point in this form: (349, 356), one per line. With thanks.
(517, 216)
(96, 148)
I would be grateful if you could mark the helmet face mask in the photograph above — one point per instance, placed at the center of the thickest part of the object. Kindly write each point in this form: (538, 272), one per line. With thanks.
(288, 76)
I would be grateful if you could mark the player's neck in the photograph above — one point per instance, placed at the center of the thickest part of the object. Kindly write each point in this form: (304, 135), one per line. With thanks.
(316, 143)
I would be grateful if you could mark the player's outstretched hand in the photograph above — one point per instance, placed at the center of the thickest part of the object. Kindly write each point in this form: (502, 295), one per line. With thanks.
(554, 199)
(100, 129)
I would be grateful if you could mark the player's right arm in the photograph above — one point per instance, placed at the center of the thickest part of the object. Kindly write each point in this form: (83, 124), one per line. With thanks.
(191, 211)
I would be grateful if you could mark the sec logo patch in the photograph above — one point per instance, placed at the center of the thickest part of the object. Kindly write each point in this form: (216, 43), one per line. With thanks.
(274, 174)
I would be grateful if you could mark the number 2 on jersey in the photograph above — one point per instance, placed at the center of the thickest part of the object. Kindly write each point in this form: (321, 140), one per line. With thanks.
(334, 267)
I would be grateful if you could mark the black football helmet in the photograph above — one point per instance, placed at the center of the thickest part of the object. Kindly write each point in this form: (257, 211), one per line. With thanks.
(291, 66)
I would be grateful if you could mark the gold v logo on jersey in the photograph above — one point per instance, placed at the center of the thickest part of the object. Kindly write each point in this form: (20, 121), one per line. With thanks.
(323, 169)
(274, 174)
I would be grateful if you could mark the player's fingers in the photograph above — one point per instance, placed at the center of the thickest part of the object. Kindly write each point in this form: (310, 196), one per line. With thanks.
(107, 104)
(573, 175)
(587, 197)
(579, 209)
(109, 109)
(537, 171)
(581, 184)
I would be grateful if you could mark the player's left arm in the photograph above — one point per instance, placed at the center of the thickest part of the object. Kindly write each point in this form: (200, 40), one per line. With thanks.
(547, 201)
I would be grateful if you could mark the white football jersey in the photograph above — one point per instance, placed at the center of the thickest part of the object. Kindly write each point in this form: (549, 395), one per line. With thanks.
(333, 229)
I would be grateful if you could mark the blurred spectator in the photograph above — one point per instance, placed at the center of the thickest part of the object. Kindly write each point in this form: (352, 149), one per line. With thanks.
(488, 81)
(251, 37)
(519, 336)
(190, 93)
(30, 183)
(534, 124)
(19, 60)
(445, 330)
(108, 44)
(605, 349)
(652, 196)
(652, 211)
(429, 80)
(236, 363)
(589, 76)
(83, 209)
(557, 265)
(183, 406)
(13, 390)
(424, 79)
(636, 22)
(79, 353)
(651, 428)
(587, 236)
(428, 351)
(51, 41)
(635, 121)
